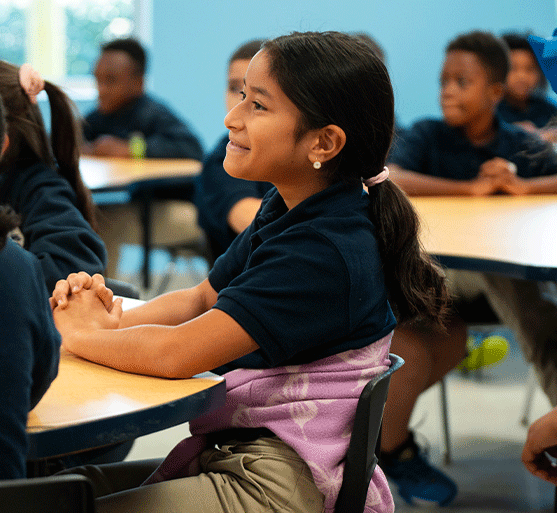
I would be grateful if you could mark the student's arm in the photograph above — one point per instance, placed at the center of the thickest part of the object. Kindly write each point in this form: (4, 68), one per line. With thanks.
(418, 184)
(201, 344)
(168, 309)
(225, 202)
(542, 436)
(55, 230)
(242, 213)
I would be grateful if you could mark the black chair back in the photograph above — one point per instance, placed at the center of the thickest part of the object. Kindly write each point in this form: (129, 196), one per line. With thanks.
(70, 493)
(361, 455)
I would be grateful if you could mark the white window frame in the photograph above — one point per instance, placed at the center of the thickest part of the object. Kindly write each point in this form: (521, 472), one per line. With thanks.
(46, 42)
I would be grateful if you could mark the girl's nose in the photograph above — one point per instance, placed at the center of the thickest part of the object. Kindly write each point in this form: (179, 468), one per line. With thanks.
(232, 120)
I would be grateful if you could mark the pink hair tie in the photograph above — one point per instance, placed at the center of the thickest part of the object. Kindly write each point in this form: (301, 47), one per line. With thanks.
(30, 81)
(374, 180)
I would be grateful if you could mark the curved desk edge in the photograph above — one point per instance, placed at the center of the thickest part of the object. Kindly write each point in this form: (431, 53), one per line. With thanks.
(121, 428)
(510, 269)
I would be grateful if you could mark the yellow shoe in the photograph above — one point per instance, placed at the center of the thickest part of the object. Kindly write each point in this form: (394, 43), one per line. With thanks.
(491, 350)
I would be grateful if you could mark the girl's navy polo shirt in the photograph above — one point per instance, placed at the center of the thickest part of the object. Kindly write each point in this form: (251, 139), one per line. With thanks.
(432, 147)
(305, 283)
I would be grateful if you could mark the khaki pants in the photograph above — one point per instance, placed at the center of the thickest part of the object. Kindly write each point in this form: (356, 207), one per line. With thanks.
(521, 306)
(264, 475)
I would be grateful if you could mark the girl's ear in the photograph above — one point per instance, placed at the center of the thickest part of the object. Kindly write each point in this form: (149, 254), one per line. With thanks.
(328, 143)
(5, 144)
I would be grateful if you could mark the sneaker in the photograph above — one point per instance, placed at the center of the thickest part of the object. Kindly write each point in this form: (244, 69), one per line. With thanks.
(491, 350)
(415, 477)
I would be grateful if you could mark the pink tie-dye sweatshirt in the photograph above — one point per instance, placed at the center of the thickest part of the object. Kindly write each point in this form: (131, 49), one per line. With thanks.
(311, 407)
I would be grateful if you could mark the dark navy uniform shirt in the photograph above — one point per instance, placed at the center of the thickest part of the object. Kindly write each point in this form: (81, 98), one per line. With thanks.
(539, 111)
(216, 193)
(29, 352)
(305, 283)
(432, 147)
(54, 229)
(165, 134)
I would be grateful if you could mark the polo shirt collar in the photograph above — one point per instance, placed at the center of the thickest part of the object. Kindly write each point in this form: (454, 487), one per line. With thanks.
(275, 217)
(500, 145)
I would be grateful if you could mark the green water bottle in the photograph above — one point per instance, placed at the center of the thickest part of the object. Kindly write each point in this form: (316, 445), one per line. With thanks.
(138, 146)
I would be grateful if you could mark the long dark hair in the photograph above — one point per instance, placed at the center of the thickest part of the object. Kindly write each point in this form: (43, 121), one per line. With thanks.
(335, 78)
(28, 137)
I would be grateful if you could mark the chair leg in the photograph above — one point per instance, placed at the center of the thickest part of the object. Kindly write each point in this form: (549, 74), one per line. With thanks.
(530, 389)
(445, 422)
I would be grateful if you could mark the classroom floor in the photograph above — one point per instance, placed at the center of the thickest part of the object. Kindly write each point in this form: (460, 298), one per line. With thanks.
(484, 412)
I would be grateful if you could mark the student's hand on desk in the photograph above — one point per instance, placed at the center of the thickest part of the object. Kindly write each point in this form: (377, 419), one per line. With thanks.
(77, 282)
(542, 437)
(85, 312)
(515, 185)
(482, 186)
(109, 146)
(497, 168)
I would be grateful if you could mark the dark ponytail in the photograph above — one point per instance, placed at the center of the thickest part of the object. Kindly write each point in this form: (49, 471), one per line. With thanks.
(28, 136)
(334, 78)
(416, 285)
(65, 136)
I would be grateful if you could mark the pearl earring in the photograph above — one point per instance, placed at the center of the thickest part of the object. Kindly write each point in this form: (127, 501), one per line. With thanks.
(317, 165)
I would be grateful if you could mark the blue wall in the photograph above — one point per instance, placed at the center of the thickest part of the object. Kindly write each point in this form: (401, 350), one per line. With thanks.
(193, 40)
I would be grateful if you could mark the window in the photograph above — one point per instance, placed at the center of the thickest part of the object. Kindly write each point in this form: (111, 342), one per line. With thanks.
(61, 38)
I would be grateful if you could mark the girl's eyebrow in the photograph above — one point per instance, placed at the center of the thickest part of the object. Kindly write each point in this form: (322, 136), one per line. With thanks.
(259, 90)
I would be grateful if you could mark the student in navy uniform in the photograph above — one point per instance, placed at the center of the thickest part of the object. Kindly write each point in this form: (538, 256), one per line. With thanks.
(227, 205)
(124, 109)
(308, 279)
(130, 123)
(40, 180)
(470, 152)
(525, 102)
(29, 341)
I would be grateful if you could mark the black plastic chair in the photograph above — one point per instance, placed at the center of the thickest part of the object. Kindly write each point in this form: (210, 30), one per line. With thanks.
(361, 456)
(121, 288)
(70, 493)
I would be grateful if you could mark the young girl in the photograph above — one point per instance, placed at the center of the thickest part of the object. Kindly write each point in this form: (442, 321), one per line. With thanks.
(296, 313)
(40, 179)
(29, 342)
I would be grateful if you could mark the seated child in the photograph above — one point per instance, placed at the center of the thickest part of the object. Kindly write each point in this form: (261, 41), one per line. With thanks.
(226, 205)
(297, 310)
(469, 152)
(40, 180)
(29, 341)
(525, 102)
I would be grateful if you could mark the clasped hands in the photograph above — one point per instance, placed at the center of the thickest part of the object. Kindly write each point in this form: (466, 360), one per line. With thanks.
(83, 303)
(498, 175)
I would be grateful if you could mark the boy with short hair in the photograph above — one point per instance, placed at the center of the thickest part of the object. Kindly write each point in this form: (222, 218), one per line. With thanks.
(474, 153)
(525, 102)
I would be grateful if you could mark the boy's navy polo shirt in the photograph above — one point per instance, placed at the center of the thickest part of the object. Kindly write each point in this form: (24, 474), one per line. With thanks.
(216, 193)
(305, 283)
(432, 147)
(539, 111)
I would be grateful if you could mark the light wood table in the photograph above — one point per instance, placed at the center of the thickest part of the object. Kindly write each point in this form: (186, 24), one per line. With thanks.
(120, 181)
(515, 236)
(90, 405)
(109, 173)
